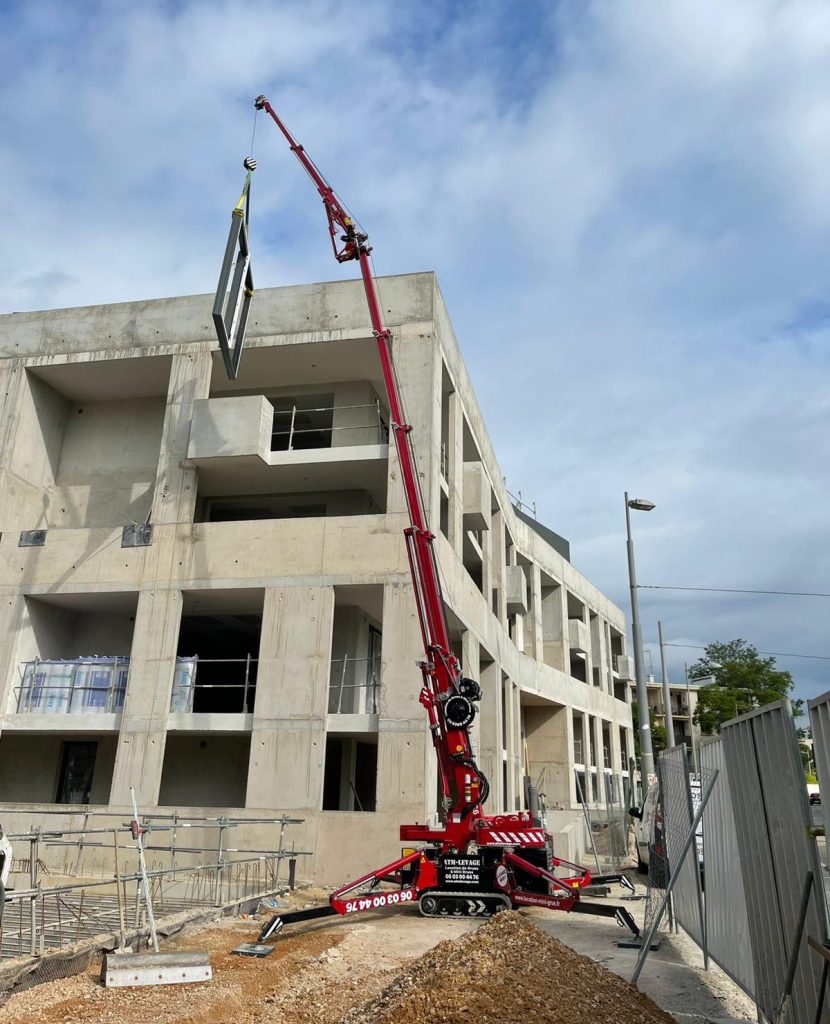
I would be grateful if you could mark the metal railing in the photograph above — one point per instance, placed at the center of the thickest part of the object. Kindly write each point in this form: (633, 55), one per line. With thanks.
(297, 436)
(445, 461)
(354, 686)
(578, 753)
(81, 685)
(225, 684)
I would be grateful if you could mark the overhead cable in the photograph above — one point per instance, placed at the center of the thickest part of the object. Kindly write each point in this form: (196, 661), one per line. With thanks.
(770, 654)
(733, 590)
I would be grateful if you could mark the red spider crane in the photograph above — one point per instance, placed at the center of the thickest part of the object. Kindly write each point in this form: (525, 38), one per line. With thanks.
(444, 876)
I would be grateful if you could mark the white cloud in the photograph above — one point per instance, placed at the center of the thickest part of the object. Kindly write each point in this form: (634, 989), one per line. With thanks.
(626, 204)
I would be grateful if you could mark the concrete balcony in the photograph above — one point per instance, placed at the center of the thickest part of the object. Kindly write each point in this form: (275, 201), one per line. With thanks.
(241, 447)
(477, 501)
(516, 590)
(624, 667)
(579, 636)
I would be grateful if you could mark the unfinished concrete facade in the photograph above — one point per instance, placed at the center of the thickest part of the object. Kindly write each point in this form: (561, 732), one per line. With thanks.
(205, 591)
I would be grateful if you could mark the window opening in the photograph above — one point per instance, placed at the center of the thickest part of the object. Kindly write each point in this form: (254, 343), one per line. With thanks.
(77, 770)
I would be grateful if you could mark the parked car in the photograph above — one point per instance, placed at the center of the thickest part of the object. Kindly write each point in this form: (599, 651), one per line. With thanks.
(648, 828)
(813, 794)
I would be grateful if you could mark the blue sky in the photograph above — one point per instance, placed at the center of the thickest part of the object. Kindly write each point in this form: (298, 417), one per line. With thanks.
(627, 206)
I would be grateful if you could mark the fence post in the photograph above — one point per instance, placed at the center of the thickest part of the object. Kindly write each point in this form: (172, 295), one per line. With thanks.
(675, 874)
(217, 894)
(586, 815)
(33, 846)
(81, 838)
(291, 428)
(280, 850)
(247, 679)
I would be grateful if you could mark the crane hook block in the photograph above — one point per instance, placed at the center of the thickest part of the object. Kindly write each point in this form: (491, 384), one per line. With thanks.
(249, 163)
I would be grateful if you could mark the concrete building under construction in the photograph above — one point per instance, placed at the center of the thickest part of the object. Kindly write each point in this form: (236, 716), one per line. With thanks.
(205, 589)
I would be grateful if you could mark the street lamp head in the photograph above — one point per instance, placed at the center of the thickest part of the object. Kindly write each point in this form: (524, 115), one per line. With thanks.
(641, 504)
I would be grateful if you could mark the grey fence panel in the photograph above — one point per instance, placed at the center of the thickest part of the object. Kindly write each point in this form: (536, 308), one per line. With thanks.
(727, 927)
(819, 709)
(772, 821)
(677, 821)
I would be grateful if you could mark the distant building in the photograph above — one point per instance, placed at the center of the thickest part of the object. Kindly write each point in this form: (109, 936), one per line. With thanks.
(683, 701)
(205, 588)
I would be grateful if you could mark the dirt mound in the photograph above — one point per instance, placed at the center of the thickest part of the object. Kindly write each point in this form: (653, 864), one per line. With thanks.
(507, 972)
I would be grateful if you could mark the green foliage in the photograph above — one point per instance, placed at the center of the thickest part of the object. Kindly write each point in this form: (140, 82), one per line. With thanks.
(743, 680)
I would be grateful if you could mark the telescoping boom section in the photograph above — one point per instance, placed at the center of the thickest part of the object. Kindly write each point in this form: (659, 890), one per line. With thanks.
(472, 864)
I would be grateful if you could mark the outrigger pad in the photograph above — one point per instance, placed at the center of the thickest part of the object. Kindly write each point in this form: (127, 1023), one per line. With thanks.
(255, 949)
(231, 305)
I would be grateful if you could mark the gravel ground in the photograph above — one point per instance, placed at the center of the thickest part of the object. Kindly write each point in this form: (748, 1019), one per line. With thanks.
(319, 972)
(507, 971)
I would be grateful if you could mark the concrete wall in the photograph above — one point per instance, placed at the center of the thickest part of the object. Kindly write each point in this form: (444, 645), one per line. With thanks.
(108, 463)
(208, 771)
(310, 340)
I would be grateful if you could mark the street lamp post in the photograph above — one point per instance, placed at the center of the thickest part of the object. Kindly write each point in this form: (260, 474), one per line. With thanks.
(666, 691)
(646, 750)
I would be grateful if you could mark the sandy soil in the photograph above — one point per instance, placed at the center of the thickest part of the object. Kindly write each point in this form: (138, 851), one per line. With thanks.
(320, 972)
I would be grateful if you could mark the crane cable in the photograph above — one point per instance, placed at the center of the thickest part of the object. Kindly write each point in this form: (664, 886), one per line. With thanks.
(249, 163)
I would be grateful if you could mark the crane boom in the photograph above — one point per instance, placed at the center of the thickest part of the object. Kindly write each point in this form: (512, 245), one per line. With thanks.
(447, 697)
(473, 864)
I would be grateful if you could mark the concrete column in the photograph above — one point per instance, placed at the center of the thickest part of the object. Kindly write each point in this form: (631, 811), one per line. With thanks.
(403, 735)
(288, 740)
(549, 751)
(497, 564)
(418, 367)
(11, 376)
(471, 666)
(11, 616)
(554, 627)
(455, 456)
(538, 651)
(174, 499)
(511, 742)
(488, 725)
(487, 577)
(616, 759)
(598, 650)
(599, 792)
(586, 757)
(140, 752)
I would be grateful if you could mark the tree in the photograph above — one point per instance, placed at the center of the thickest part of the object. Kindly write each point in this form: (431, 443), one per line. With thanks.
(743, 681)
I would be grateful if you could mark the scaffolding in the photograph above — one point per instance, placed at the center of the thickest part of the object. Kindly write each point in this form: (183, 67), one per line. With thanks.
(47, 909)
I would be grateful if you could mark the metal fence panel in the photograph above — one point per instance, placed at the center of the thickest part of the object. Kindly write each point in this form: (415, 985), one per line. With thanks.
(727, 927)
(772, 821)
(676, 800)
(819, 709)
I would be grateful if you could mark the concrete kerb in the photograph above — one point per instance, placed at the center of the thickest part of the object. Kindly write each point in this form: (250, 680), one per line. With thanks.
(26, 972)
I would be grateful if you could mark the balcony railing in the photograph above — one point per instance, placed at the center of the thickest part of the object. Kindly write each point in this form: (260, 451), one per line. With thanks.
(606, 757)
(219, 685)
(354, 686)
(578, 752)
(76, 686)
(298, 428)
